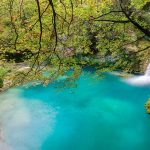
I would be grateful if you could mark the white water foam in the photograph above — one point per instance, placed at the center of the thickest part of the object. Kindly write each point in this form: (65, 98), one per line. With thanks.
(24, 125)
(143, 80)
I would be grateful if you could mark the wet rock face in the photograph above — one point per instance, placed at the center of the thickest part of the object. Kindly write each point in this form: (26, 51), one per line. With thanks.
(1, 83)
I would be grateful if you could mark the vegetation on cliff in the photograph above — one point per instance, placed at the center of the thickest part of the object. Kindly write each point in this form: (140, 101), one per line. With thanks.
(58, 35)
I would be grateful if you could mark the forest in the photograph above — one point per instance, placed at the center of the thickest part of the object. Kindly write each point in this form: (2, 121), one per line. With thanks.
(54, 36)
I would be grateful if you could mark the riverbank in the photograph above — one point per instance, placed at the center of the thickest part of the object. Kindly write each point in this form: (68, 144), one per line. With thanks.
(11, 70)
(23, 67)
(122, 74)
(20, 68)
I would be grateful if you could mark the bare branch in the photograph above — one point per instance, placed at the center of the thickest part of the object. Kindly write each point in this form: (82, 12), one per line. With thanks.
(11, 2)
(115, 21)
(136, 24)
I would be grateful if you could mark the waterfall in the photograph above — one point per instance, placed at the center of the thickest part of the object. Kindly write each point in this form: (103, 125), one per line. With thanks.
(143, 80)
(147, 73)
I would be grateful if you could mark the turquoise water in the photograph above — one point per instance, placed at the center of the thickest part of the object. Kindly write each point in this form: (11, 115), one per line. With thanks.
(98, 114)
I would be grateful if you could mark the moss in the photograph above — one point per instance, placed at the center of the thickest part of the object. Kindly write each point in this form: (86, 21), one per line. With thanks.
(147, 106)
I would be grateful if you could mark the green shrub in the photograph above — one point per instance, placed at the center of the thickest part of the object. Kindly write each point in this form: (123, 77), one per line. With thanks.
(3, 72)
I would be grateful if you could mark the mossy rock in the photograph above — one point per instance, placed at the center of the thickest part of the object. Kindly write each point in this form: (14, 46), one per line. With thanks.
(1, 83)
(147, 106)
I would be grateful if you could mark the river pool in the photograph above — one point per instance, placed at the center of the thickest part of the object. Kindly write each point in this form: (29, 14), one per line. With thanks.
(98, 114)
